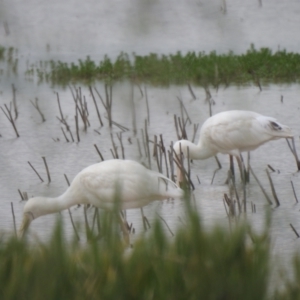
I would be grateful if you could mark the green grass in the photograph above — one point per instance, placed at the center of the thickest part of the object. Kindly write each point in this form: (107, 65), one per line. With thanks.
(203, 69)
(194, 264)
(258, 66)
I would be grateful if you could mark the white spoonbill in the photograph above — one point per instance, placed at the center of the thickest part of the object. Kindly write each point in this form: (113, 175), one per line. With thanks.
(100, 184)
(232, 132)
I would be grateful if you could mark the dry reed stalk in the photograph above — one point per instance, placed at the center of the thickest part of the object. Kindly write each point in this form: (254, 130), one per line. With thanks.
(108, 102)
(294, 151)
(21, 195)
(147, 144)
(230, 176)
(256, 79)
(164, 153)
(114, 154)
(226, 210)
(208, 98)
(115, 148)
(96, 106)
(158, 158)
(59, 107)
(71, 135)
(139, 147)
(180, 164)
(123, 128)
(35, 171)
(73, 225)
(67, 180)
(170, 156)
(196, 126)
(47, 169)
(77, 127)
(261, 187)
(295, 231)
(294, 191)
(36, 106)
(176, 128)
(14, 101)
(154, 152)
(147, 106)
(192, 92)
(182, 127)
(10, 118)
(119, 136)
(231, 205)
(184, 111)
(64, 134)
(166, 224)
(14, 218)
(145, 220)
(273, 189)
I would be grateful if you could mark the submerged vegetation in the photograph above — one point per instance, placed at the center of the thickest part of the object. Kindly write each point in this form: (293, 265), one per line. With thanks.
(255, 66)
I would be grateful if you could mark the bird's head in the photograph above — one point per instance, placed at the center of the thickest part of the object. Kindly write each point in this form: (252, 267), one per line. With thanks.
(32, 210)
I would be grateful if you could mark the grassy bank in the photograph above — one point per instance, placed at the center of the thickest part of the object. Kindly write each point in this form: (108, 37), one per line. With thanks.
(258, 66)
(255, 66)
(194, 264)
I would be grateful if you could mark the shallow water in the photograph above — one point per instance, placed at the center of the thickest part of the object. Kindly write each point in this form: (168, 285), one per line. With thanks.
(39, 139)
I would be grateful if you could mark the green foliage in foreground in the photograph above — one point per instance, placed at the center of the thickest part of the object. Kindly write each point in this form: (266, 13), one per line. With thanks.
(255, 66)
(194, 264)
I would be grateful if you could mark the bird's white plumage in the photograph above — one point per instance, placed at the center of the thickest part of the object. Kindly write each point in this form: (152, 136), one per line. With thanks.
(232, 132)
(133, 183)
(101, 184)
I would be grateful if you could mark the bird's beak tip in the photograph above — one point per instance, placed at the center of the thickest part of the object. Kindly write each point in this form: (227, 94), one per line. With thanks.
(27, 218)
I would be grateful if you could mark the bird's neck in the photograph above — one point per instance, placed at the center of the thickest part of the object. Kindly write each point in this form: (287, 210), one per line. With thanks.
(56, 204)
(199, 151)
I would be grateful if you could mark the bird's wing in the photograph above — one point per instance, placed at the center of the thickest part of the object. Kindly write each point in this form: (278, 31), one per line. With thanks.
(240, 134)
(132, 184)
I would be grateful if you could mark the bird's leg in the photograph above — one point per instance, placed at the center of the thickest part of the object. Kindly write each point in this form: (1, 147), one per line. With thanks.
(231, 170)
(231, 162)
(216, 170)
(247, 171)
(241, 167)
(125, 230)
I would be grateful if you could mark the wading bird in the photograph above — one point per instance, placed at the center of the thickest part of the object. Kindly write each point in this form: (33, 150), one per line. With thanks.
(112, 184)
(231, 132)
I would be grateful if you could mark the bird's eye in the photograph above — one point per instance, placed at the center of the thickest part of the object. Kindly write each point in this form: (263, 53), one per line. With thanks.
(275, 126)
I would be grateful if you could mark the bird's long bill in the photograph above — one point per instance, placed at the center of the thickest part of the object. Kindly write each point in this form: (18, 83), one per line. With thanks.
(27, 218)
